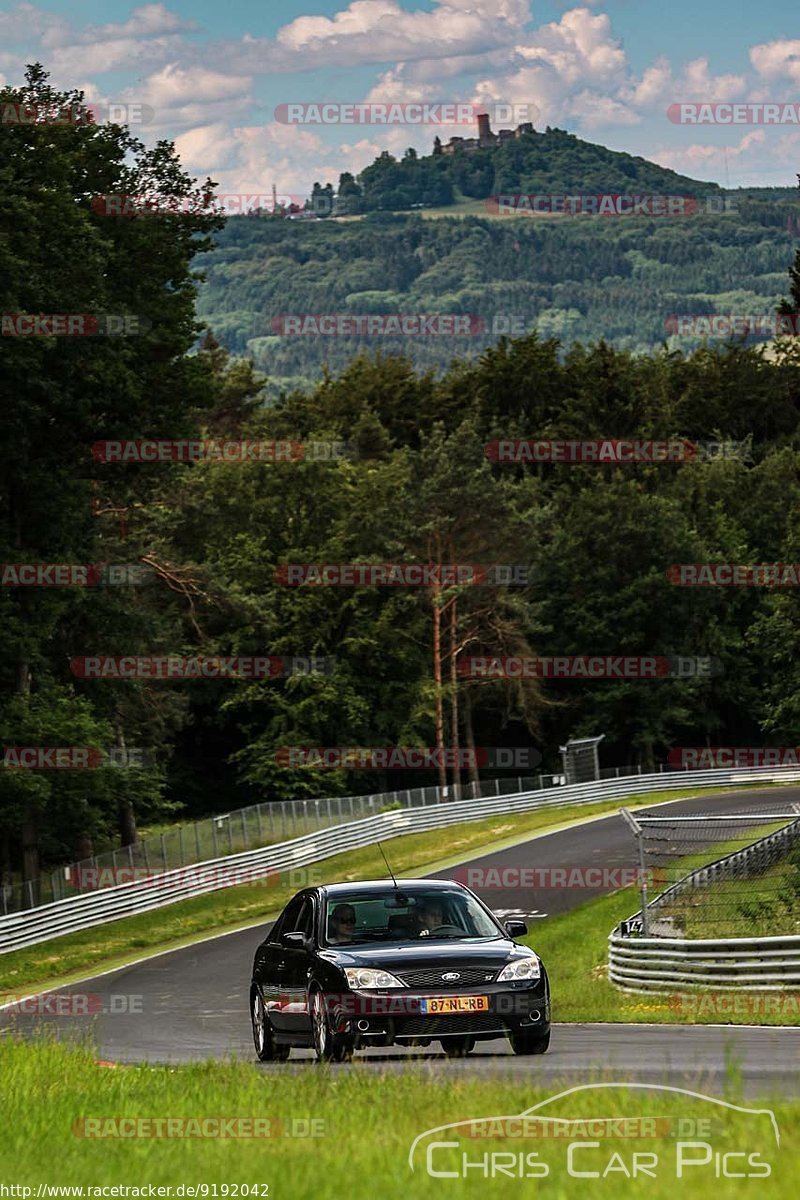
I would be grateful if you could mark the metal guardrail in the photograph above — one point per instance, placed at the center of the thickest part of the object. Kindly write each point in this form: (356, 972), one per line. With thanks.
(679, 964)
(18, 930)
(224, 834)
(674, 964)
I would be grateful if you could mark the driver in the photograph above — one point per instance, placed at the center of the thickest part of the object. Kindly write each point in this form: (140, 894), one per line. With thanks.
(341, 924)
(430, 915)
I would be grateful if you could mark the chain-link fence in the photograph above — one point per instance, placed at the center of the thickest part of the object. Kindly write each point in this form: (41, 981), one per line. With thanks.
(247, 829)
(718, 876)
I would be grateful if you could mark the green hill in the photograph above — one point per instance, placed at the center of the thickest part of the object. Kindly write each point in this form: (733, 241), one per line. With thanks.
(577, 277)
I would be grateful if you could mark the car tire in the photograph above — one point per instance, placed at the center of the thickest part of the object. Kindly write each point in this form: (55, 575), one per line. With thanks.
(458, 1047)
(267, 1049)
(328, 1046)
(528, 1043)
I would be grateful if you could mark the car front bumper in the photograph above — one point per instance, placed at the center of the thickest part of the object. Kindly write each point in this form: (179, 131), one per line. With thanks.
(395, 1015)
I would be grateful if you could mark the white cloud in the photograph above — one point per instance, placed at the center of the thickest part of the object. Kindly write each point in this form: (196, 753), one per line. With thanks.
(777, 60)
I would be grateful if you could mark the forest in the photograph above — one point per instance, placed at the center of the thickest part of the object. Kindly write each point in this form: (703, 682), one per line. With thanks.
(598, 541)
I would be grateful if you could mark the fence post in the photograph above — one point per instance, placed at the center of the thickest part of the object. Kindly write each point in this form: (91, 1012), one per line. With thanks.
(180, 842)
(244, 831)
(163, 853)
(637, 830)
(258, 817)
(214, 837)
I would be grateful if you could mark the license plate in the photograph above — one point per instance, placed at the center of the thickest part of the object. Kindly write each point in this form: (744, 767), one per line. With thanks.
(454, 1004)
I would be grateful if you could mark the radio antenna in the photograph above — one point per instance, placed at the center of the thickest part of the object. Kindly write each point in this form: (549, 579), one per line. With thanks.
(388, 868)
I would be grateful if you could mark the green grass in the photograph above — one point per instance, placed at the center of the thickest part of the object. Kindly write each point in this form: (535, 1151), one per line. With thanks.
(766, 905)
(366, 1122)
(106, 946)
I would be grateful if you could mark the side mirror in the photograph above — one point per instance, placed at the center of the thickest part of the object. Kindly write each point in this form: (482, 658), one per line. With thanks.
(516, 928)
(296, 941)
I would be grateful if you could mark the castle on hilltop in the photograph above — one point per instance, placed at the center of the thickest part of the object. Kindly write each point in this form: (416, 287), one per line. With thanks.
(485, 137)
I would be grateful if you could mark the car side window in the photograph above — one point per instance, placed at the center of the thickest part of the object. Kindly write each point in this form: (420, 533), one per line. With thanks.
(287, 921)
(305, 921)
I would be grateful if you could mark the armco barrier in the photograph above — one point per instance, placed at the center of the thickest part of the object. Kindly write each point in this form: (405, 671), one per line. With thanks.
(724, 964)
(28, 928)
(659, 964)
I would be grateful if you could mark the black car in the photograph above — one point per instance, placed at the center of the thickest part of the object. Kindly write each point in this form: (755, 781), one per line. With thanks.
(351, 965)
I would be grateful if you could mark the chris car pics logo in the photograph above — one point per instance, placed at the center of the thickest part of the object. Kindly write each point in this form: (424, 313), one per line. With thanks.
(600, 1136)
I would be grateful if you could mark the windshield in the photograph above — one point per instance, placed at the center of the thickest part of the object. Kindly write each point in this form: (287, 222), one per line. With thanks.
(406, 915)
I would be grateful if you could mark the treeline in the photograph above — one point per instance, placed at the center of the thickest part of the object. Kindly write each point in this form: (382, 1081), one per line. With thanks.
(415, 486)
(577, 278)
(552, 161)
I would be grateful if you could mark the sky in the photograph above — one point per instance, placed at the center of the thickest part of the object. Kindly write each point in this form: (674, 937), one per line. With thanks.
(210, 76)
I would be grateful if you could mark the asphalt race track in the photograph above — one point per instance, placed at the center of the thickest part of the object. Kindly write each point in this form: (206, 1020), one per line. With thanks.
(192, 1004)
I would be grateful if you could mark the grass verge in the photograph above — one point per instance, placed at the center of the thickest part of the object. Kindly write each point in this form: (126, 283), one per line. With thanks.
(363, 1138)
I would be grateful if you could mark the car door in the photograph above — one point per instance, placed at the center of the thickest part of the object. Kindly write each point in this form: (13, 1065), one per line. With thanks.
(296, 964)
(272, 972)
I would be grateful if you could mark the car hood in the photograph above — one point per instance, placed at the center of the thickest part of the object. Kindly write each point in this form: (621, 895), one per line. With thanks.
(398, 957)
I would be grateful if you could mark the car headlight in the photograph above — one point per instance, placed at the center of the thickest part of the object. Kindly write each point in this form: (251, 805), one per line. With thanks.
(369, 977)
(521, 968)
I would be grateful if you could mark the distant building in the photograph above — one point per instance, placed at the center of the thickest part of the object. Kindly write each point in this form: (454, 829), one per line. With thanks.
(485, 137)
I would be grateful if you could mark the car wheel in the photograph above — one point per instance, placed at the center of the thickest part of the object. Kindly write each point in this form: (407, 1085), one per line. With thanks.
(527, 1043)
(263, 1035)
(458, 1047)
(329, 1046)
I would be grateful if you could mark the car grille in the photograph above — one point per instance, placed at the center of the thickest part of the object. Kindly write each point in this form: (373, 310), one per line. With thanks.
(467, 1024)
(432, 978)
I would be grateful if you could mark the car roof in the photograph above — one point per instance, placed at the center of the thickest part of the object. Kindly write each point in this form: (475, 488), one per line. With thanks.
(371, 885)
